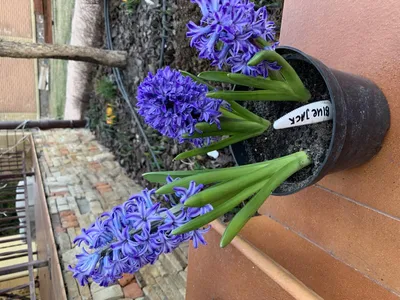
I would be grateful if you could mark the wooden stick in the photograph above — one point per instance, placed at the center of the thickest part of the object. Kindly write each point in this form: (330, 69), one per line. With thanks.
(66, 52)
(271, 268)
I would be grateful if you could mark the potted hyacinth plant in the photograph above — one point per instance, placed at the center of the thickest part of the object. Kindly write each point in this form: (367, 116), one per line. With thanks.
(266, 83)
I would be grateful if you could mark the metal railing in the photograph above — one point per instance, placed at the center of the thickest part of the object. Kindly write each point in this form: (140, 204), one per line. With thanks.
(29, 266)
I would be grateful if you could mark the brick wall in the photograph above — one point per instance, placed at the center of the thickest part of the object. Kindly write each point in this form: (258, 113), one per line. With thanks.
(17, 85)
(17, 76)
(15, 18)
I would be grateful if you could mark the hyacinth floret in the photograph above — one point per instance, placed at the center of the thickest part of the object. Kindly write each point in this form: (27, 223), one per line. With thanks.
(227, 34)
(173, 104)
(135, 234)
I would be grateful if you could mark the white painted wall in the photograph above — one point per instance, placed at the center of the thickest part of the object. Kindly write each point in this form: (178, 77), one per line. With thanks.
(87, 31)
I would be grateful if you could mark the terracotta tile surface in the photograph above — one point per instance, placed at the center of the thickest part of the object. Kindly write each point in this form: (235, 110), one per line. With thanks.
(126, 279)
(361, 37)
(15, 18)
(132, 290)
(361, 238)
(225, 274)
(328, 277)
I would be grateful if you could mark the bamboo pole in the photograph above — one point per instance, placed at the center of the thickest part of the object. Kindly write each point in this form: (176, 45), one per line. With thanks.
(271, 268)
(66, 52)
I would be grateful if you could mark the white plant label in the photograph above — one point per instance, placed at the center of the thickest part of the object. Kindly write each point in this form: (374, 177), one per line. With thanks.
(214, 154)
(312, 113)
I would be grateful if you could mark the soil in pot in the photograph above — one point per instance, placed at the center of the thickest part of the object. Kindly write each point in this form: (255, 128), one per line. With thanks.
(315, 138)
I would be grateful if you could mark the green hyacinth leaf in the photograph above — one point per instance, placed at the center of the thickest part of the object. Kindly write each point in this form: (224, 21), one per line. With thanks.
(214, 146)
(211, 177)
(259, 95)
(259, 82)
(220, 210)
(211, 194)
(231, 125)
(207, 134)
(160, 177)
(240, 219)
(290, 75)
(217, 76)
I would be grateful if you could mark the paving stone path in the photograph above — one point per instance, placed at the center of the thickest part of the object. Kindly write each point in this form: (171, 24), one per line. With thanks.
(82, 180)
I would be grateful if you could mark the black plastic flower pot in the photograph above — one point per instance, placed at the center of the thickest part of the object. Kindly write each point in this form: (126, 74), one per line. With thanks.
(361, 119)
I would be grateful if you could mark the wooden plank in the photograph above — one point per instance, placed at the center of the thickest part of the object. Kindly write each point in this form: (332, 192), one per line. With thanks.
(51, 281)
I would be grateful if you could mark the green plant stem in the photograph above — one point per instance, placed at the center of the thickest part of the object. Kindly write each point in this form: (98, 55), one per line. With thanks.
(240, 219)
(287, 71)
(225, 207)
